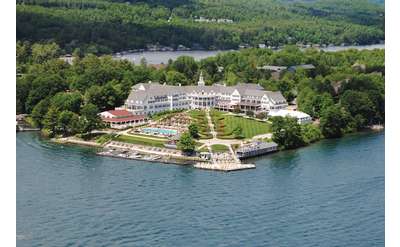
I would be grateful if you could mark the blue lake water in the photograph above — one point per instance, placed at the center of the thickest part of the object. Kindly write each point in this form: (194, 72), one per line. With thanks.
(157, 57)
(328, 194)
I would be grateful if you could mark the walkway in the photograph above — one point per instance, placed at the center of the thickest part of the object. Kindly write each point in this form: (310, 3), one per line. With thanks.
(225, 161)
(210, 124)
(148, 149)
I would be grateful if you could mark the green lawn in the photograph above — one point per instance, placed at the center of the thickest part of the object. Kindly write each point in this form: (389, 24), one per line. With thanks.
(203, 149)
(225, 124)
(149, 136)
(140, 140)
(219, 148)
(200, 119)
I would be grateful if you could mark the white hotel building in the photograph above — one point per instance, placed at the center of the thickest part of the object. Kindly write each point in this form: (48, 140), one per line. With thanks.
(150, 98)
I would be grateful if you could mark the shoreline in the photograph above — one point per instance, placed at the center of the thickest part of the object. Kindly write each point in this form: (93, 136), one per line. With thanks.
(156, 57)
(277, 48)
(164, 159)
(71, 141)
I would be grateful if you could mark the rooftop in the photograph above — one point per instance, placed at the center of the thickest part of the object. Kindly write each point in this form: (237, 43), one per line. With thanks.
(256, 146)
(284, 113)
(142, 91)
(120, 113)
(124, 119)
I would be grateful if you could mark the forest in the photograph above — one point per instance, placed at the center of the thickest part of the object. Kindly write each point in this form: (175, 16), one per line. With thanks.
(345, 91)
(106, 26)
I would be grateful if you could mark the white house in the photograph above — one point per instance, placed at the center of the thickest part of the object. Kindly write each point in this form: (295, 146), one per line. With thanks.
(150, 98)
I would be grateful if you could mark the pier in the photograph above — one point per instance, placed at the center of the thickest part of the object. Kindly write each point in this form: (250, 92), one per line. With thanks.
(225, 167)
(219, 161)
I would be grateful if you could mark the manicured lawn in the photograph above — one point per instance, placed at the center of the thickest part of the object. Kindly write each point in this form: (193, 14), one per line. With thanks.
(104, 138)
(149, 136)
(203, 149)
(250, 127)
(140, 140)
(225, 124)
(200, 119)
(219, 148)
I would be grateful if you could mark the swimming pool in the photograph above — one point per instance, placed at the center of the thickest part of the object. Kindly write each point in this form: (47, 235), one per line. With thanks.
(168, 132)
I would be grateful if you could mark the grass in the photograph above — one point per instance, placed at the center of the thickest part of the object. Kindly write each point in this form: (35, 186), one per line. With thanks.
(148, 136)
(201, 121)
(139, 140)
(203, 149)
(104, 138)
(219, 148)
(225, 124)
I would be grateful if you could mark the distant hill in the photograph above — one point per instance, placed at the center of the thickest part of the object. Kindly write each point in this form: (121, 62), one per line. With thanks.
(103, 26)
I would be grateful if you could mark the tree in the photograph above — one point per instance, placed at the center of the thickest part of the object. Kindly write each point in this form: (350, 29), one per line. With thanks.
(64, 122)
(286, 86)
(261, 115)
(50, 120)
(42, 87)
(176, 78)
(23, 88)
(250, 113)
(187, 66)
(66, 101)
(105, 97)
(286, 132)
(23, 52)
(43, 52)
(312, 102)
(89, 119)
(359, 105)
(186, 143)
(193, 130)
(333, 122)
(238, 132)
(39, 111)
(310, 133)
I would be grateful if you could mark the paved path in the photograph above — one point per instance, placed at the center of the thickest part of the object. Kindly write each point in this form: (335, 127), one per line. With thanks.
(211, 125)
(144, 149)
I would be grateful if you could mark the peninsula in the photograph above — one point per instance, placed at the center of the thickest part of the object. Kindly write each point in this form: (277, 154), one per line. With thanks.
(211, 113)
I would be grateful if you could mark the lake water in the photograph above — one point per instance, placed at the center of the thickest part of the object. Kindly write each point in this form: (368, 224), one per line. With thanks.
(159, 57)
(327, 194)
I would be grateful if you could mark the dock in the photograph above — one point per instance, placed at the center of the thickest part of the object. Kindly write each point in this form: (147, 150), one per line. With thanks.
(225, 167)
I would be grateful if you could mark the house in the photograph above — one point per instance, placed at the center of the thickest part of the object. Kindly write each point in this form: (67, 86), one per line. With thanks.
(276, 71)
(68, 58)
(294, 68)
(121, 119)
(150, 98)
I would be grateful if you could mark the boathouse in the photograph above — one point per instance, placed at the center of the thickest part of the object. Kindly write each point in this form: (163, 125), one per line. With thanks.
(256, 148)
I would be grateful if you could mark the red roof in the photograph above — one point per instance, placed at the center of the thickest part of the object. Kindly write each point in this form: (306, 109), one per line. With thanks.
(124, 119)
(120, 113)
